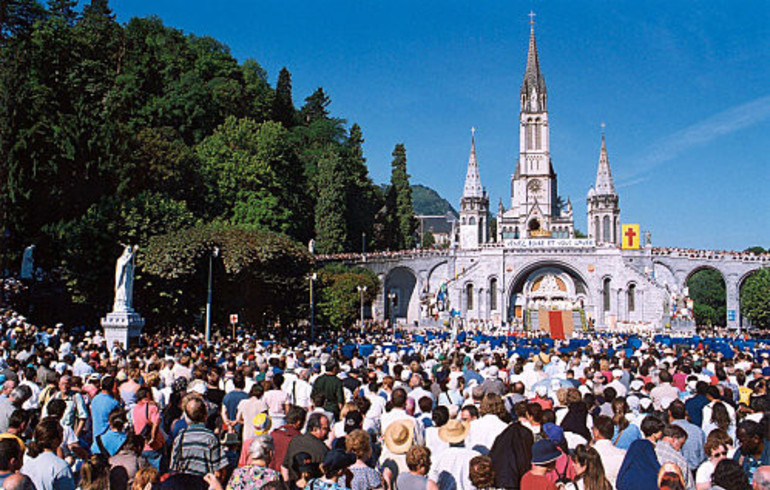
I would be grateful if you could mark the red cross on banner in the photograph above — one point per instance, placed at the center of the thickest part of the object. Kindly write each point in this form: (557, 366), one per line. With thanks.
(630, 237)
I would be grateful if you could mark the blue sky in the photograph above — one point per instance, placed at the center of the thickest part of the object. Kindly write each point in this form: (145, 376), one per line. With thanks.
(683, 88)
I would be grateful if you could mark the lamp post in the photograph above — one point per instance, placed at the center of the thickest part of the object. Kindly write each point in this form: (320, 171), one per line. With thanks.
(363, 244)
(214, 253)
(362, 290)
(392, 298)
(312, 278)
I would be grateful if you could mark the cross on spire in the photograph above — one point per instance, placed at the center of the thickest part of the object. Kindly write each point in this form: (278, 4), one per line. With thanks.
(531, 18)
(473, 131)
(603, 125)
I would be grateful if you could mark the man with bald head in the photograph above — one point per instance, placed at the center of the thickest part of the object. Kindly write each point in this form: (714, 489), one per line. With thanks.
(18, 481)
(762, 478)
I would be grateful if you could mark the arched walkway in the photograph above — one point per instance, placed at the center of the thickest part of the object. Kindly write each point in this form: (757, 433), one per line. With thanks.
(401, 283)
(549, 285)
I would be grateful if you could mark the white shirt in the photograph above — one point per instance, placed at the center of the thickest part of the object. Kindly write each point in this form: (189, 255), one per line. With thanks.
(451, 471)
(708, 426)
(484, 430)
(705, 470)
(298, 391)
(612, 459)
(33, 403)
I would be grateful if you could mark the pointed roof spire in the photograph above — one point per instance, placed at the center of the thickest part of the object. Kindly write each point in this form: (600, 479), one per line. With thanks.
(604, 183)
(472, 177)
(533, 79)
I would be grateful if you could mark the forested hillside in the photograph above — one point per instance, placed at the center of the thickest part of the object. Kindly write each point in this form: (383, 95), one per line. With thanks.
(114, 133)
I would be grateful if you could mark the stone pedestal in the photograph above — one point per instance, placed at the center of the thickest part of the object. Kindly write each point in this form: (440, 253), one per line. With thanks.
(122, 326)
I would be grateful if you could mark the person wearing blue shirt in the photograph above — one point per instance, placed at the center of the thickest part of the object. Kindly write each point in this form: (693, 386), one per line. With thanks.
(102, 405)
(695, 404)
(112, 440)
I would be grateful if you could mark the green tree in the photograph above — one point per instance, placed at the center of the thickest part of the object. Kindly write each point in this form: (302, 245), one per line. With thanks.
(580, 234)
(315, 107)
(428, 240)
(255, 178)
(339, 302)
(363, 197)
(283, 106)
(755, 298)
(258, 274)
(756, 250)
(707, 290)
(331, 229)
(400, 201)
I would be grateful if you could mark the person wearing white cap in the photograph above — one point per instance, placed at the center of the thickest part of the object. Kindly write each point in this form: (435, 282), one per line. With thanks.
(620, 388)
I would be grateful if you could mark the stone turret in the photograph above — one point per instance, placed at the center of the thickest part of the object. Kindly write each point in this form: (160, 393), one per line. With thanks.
(603, 204)
(474, 205)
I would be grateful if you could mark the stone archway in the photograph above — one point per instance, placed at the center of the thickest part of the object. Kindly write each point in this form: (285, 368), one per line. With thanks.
(707, 287)
(550, 285)
(402, 283)
(740, 320)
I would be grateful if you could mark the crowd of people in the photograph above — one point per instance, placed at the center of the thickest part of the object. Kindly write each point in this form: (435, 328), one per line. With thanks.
(695, 253)
(278, 411)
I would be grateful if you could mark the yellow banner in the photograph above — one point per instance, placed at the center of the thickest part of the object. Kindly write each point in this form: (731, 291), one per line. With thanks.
(630, 237)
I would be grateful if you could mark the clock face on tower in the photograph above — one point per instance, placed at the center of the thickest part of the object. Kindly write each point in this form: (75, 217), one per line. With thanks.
(534, 186)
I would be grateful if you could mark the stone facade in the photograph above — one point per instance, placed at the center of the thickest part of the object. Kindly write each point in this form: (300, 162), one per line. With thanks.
(535, 263)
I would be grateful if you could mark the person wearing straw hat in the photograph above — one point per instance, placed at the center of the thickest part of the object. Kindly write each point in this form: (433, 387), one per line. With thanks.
(544, 456)
(398, 437)
(451, 470)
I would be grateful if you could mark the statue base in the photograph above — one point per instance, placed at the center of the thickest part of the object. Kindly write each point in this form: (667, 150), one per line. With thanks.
(122, 326)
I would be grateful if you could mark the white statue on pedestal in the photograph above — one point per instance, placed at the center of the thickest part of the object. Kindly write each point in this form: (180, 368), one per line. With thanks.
(124, 280)
(27, 263)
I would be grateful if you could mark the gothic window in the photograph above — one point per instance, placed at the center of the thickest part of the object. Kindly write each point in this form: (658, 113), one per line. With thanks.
(597, 236)
(631, 297)
(469, 297)
(463, 220)
(538, 135)
(481, 230)
(493, 294)
(528, 134)
(606, 294)
(516, 232)
(615, 231)
(607, 238)
(471, 220)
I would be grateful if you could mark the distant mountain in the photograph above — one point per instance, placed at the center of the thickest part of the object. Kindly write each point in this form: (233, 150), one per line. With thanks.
(426, 201)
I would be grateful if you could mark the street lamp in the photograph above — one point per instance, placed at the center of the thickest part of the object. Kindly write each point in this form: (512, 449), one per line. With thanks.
(392, 298)
(362, 290)
(363, 245)
(214, 253)
(312, 278)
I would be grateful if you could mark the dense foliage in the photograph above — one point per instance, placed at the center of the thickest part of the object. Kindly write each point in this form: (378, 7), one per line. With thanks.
(257, 274)
(115, 134)
(755, 298)
(707, 290)
(339, 303)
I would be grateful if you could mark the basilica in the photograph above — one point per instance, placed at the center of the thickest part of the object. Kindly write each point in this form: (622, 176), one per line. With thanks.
(525, 267)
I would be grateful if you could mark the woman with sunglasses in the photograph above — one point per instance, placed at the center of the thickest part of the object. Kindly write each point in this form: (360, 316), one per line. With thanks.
(718, 443)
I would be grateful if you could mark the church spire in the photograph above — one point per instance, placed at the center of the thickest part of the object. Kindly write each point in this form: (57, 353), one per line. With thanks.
(472, 177)
(533, 92)
(604, 184)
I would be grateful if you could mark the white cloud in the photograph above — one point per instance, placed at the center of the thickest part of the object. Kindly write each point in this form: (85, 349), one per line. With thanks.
(698, 134)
